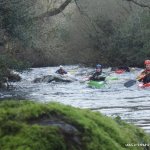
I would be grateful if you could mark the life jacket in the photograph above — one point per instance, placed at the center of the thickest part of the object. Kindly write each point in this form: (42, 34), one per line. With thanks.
(61, 71)
(146, 71)
(143, 74)
(97, 76)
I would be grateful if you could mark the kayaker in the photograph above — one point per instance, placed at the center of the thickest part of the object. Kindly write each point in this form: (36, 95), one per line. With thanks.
(61, 70)
(145, 75)
(125, 68)
(97, 74)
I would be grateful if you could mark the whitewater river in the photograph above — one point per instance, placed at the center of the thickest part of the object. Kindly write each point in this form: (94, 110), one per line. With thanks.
(131, 104)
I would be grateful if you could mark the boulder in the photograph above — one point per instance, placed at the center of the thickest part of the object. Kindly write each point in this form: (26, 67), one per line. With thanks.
(3, 85)
(10, 76)
(13, 77)
(56, 78)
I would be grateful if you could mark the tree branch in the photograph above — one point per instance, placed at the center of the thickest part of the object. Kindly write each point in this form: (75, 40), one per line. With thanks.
(139, 4)
(54, 11)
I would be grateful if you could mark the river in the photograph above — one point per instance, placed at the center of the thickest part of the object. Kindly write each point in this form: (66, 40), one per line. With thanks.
(131, 104)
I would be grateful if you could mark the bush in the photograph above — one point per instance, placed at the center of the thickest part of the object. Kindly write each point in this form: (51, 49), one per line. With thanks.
(131, 42)
(7, 63)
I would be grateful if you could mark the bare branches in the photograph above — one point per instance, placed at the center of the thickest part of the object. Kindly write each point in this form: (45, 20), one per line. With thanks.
(78, 6)
(54, 11)
(139, 4)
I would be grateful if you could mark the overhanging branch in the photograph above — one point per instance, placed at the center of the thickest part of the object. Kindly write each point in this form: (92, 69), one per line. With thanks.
(54, 11)
(139, 4)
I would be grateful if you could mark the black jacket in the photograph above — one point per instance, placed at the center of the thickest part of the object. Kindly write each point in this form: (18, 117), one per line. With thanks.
(97, 76)
(146, 78)
(61, 71)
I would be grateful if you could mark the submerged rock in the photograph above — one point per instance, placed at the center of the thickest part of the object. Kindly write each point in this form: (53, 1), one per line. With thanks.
(47, 79)
(57, 78)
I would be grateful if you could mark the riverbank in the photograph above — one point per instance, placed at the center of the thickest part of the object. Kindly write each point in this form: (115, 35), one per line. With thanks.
(31, 125)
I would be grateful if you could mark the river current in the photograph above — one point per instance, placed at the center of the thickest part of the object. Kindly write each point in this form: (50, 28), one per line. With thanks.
(131, 104)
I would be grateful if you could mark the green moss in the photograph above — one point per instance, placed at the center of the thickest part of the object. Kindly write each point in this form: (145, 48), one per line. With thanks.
(26, 125)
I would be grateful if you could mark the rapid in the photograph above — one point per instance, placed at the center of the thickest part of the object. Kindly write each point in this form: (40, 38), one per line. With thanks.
(131, 104)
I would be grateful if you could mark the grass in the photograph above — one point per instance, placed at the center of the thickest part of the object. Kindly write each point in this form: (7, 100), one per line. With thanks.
(23, 127)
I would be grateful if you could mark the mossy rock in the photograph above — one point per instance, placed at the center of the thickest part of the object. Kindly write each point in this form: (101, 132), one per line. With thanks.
(26, 125)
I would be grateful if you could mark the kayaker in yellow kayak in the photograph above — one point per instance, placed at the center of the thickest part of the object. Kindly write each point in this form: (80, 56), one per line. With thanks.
(145, 75)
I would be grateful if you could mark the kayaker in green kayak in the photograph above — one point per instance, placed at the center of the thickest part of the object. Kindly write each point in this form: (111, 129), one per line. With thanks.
(97, 74)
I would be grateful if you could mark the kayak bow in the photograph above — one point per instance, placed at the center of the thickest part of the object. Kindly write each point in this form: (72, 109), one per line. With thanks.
(96, 84)
(146, 85)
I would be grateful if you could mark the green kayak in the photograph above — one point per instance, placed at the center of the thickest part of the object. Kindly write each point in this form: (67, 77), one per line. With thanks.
(96, 84)
(111, 78)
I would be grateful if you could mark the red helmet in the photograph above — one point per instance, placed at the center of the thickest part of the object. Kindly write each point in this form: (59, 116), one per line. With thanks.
(147, 62)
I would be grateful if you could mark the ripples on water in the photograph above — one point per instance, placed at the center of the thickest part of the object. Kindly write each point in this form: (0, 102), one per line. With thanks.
(131, 104)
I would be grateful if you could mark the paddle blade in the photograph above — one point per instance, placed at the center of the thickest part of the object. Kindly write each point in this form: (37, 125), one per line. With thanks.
(130, 83)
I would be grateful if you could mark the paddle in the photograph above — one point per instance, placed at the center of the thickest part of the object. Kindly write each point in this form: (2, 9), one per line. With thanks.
(130, 83)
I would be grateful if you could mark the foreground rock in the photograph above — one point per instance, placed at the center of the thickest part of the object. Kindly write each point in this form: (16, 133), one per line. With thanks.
(26, 125)
(13, 77)
(56, 78)
(9, 77)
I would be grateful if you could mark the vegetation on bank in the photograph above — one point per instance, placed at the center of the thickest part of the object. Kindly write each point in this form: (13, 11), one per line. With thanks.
(111, 32)
(7, 65)
(7, 62)
(26, 125)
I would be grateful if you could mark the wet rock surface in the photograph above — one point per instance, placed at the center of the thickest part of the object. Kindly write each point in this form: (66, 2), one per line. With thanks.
(70, 132)
(50, 78)
(11, 76)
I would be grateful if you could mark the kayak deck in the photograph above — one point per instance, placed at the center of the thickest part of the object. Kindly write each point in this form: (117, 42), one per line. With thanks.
(147, 85)
(96, 84)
